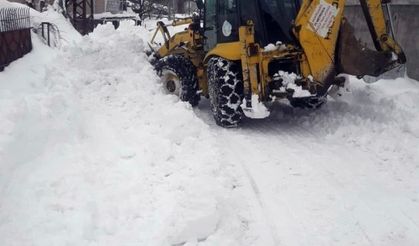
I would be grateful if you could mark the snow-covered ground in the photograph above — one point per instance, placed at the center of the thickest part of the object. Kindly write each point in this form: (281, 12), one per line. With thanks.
(92, 152)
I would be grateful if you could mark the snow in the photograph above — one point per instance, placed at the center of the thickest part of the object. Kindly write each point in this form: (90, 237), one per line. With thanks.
(258, 109)
(126, 14)
(288, 82)
(66, 32)
(83, 182)
(272, 47)
(7, 4)
(93, 152)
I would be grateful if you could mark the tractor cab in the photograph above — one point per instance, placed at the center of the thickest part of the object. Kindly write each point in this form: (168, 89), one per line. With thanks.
(273, 20)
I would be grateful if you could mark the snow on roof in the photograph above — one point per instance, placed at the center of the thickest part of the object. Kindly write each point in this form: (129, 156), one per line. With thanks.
(7, 4)
(4, 4)
(118, 15)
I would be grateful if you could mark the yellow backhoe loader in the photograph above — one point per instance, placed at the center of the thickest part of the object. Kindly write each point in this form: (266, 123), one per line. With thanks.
(245, 54)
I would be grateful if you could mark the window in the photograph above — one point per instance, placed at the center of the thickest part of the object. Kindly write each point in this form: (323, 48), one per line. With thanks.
(279, 16)
(210, 24)
(228, 26)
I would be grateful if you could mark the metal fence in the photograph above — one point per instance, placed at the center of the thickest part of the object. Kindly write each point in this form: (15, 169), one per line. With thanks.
(15, 34)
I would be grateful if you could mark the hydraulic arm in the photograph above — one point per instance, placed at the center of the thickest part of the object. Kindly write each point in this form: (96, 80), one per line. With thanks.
(330, 46)
(376, 21)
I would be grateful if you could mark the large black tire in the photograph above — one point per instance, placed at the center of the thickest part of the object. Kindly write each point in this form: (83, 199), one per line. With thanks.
(186, 75)
(225, 87)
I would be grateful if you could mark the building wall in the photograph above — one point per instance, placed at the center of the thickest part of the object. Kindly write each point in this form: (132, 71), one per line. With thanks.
(100, 6)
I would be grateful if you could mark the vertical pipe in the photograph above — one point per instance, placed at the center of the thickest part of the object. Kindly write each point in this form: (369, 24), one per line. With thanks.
(42, 29)
(74, 11)
(92, 15)
(170, 9)
(84, 16)
(48, 33)
(390, 17)
(12, 24)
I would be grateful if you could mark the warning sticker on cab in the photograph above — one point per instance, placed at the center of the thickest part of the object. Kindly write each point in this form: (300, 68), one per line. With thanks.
(322, 18)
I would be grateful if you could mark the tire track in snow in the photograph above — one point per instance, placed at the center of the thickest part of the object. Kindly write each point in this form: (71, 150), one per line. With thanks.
(271, 224)
(260, 129)
(225, 136)
(275, 137)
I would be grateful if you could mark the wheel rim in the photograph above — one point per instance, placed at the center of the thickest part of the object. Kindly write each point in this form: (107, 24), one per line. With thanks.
(171, 82)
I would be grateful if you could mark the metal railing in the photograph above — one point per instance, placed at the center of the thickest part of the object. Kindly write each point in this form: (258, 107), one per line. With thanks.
(49, 34)
(46, 32)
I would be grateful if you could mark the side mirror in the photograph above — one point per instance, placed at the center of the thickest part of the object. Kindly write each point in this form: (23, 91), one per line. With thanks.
(199, 4)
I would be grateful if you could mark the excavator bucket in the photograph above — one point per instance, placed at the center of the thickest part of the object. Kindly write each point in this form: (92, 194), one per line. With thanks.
(357, 59)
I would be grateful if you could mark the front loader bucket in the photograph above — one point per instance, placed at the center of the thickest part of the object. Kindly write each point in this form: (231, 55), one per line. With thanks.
(355, 58)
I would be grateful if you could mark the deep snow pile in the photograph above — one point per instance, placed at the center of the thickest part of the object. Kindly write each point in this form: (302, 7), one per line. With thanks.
(92, 152)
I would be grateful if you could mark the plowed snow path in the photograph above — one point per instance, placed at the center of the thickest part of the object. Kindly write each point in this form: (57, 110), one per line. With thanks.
(345, 174)
(92, 152)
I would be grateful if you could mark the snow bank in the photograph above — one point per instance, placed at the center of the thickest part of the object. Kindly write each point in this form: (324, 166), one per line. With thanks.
(93, 152)
(376, 116)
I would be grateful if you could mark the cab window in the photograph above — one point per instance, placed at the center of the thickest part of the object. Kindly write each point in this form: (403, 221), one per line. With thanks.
(228, 26)
(210, 24)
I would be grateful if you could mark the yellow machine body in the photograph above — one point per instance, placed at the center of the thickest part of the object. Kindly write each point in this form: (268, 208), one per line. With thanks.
(318, 39)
